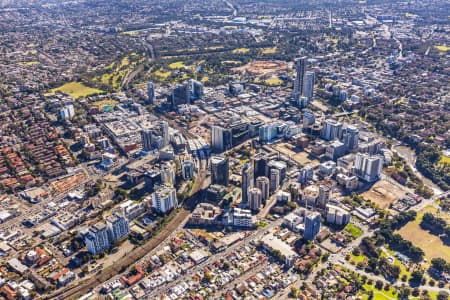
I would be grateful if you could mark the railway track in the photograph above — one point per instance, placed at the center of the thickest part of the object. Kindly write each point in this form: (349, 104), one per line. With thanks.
(85, 286)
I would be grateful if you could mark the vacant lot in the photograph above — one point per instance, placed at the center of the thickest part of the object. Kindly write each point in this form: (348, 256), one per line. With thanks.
(383, 193)
(177, 65)
(431, 244)
(77, 90)
(263, 67)
(241, 50)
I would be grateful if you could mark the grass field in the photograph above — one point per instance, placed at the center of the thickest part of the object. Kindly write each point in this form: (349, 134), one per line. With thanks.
(442, 48)
(177, 65)
(274, 81)
(272, 50)
(231, 62)
(77, 90)
(353, 230)
(30, 63)
(357, 258)
(241, 50)
(444, 160)
(431, 244)
(379, 295)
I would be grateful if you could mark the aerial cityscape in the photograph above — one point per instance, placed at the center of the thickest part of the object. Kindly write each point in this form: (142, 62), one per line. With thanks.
(225, 149)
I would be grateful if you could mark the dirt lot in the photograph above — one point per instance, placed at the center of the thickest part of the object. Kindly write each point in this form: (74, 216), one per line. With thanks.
(383, 193)
(263, 67)
(301, 157)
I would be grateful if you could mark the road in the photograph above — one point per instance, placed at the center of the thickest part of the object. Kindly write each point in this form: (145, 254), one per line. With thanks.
(134, 256)
(256, 235)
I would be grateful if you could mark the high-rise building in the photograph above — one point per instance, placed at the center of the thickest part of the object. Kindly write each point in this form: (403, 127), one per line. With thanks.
(167, 175)
(67, 112)
(164, 131)
(188, 169)
(164, 199)
(300, 70)
(186, 92)
(336, 215)
(118, 226)
(308, 88)
(247, 181)
(219, 170)
(260, 164)
(324, 196)
(308, 118)
(150, 92)
(350, 138)
(368, 167)
(254, 199)
(335, 150)
(331, 129)
(180, 94)
(146, 139)
(97, 239)
(268, 132)
(196, 89)
(312, 225)
(306, 174)
(274, 179)
(302, 102)
(218, 142)
(263, 183)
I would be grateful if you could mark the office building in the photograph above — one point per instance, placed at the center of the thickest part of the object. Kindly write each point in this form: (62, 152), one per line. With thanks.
(220, 139)
(260, 164)
(240, 133)
(312, 225)
(302, 102)
(308, 88)
(263, 184)
(331, 130)
(180, 94)
(254, 199)
(146, 139)
(247, 181)
(350, 138)
(187, 169)
(164, 199)
(118, 226)
(306, 174)
(368, 167)
(274, 180)
(300, 70)
(268, 132)
(150, 92)
(97, 239)
(335, 150)
(219, 170)
(308, 119)
(195, 89)
(337, 216)
(242, 218)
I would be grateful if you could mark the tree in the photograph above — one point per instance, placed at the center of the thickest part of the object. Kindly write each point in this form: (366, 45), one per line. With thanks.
(440, 264)
(416, 276)
(442, 295)
(379, 284)
(294, 292)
